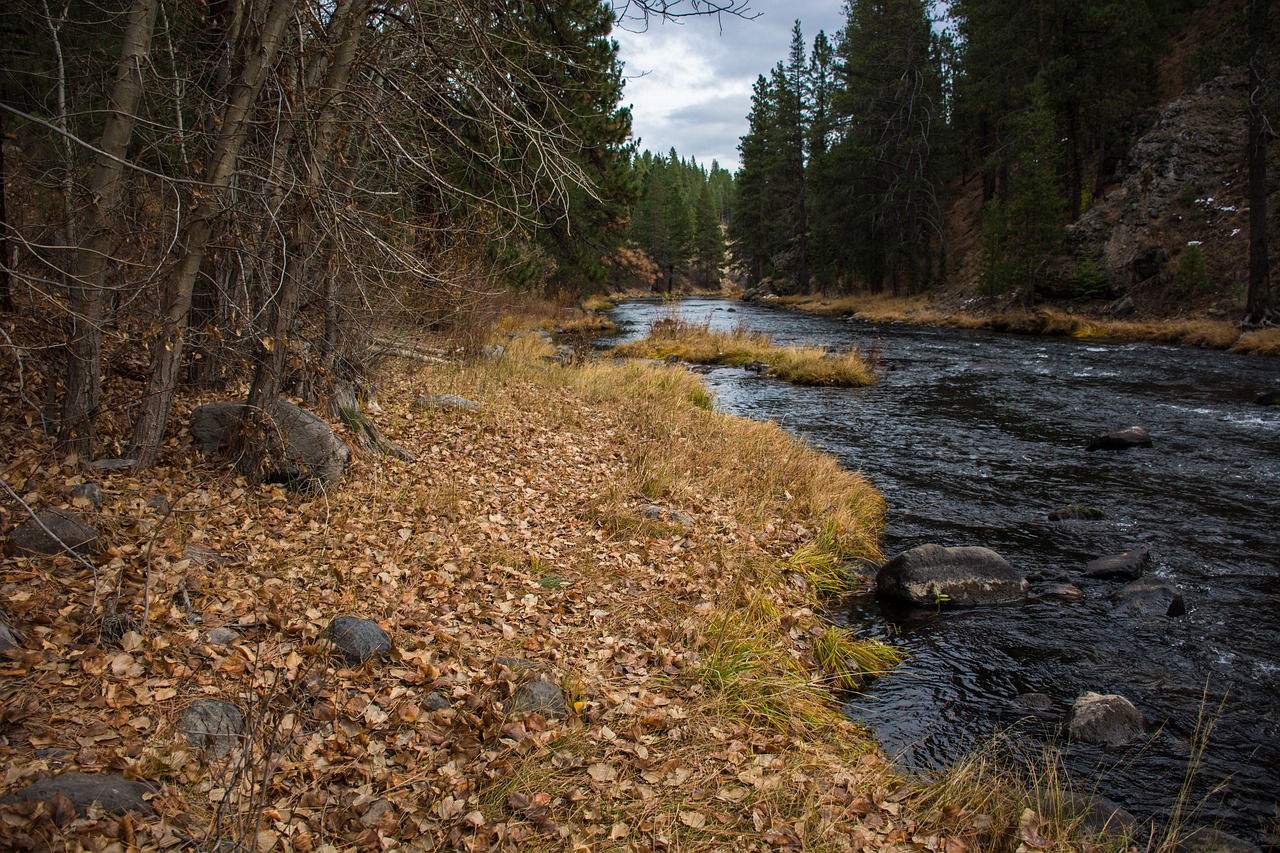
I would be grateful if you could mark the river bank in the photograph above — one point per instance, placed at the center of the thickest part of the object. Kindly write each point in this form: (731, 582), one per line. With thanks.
(974, 313)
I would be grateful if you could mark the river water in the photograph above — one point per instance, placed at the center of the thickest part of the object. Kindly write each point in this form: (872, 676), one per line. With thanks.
(973, 438)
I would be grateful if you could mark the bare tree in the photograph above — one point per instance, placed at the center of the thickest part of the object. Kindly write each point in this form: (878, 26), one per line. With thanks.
(92, 259)
(259, 52)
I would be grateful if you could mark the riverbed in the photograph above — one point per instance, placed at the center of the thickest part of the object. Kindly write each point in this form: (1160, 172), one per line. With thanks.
(973, 438)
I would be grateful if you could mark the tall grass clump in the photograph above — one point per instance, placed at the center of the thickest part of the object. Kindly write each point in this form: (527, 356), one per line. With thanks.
(697, 342)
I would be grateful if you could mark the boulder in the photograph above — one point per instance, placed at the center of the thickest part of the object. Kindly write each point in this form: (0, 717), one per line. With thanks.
(1039, 702)
(69, 532)
(212, 725)
(357, 640)
(1098, 814)
(116, 794)
(305, 450)
(932, 574)
(1106, 719)
(1270, 398)
(1076, 512)
(1127, 566)
(674, 516)
(540, 697)
(1148, 597)
(1121, 439)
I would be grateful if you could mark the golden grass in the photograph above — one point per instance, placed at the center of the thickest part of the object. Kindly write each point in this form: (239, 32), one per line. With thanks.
(695, 342)
(878, 308)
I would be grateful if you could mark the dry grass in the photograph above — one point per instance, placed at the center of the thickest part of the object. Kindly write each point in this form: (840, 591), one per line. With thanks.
(694, 342)
(1216, 334)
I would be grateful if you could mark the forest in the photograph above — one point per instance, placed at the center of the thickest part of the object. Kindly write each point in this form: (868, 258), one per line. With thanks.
(248, 188)
(861, 142)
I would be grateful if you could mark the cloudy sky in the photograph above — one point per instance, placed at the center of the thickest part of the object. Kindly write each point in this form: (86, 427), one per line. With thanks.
(689, 81)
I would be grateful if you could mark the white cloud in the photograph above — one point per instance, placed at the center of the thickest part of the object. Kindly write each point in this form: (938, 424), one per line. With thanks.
(689, 82)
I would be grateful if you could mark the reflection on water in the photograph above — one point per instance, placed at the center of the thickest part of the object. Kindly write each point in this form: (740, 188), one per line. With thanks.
(973, 438)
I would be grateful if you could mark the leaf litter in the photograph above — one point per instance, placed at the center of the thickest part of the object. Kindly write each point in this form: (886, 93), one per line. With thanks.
(514, 548)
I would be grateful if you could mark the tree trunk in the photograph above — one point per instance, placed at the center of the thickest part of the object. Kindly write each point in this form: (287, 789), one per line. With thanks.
(166, 354)
(86, 296)
(6, 248)
(1259, 307)
(260, 408)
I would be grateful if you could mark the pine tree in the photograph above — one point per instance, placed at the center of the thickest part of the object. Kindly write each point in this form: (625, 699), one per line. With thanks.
(708, 241)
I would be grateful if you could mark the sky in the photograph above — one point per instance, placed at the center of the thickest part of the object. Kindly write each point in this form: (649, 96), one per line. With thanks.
(689, 81)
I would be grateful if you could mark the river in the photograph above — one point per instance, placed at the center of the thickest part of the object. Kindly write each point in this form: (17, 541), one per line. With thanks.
(973, 438)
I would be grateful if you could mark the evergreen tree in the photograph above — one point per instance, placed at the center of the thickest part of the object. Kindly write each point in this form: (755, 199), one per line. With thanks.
(708, 241)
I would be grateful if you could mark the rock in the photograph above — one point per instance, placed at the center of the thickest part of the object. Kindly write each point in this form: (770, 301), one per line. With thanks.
(159, 503)
(444, 401)
(435, 701)
(1148, 597)
(116, 794)
(673, 515)
(1035, 701)
(1076, 512)
(493, 352)
(1148, 263)
(69, 532)
(90, 493)
(540, 697)
(9, 638)
(1121, 439)
(1063, 590)
(221, 636)
(672, 359)
(107, 465)
(1209, 840)
(1270, 398)
(305, 449)
(932, 574)
(212, 725)
(357, 640)
(1127, 566)
(1109, 720)
(759, 367)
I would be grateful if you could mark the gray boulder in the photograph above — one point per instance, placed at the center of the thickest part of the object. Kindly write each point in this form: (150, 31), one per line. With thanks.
(1127, 566)
(357, 640)
(69, 532)
(212, 725)
(304, 449)
(1106, 719)
(1121, 439)
(1148, 597)
(540, 697)
(116, 794)
(932, 574)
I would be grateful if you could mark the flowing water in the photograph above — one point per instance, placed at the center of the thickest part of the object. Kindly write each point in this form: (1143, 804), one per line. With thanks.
(973, 437)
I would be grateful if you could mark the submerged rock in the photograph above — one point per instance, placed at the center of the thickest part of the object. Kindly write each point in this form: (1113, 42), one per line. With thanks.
(1127, 566)
(1106, 719)
(1270, 398)
(932, 574)
(1209, 840)
(1148, 597)
(1121, 439)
